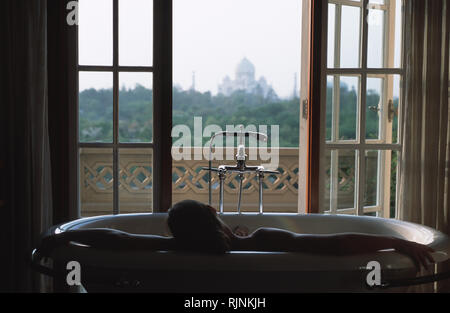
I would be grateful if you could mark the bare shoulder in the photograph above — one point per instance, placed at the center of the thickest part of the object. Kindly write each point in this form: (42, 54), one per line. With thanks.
(272, 239)
(264, 233)
(260, 232)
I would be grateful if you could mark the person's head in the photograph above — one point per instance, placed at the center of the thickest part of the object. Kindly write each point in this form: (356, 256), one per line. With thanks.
(196, 227)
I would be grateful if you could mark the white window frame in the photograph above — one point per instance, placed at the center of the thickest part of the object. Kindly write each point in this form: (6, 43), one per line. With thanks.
(303, 118)
(116, 145)
(384, 145)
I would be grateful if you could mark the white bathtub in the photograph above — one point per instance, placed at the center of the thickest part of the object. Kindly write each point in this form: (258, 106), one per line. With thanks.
(237, 271)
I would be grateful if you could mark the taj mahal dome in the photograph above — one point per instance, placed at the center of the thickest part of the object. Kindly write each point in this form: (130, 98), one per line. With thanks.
(245, 80)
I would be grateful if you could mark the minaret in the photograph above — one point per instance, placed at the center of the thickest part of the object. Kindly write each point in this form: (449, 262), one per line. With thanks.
(193, 81)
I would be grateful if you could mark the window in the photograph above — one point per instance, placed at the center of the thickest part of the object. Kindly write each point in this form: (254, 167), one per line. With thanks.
(126, 91)
(117, 106)
(115, 40)
(362, 94)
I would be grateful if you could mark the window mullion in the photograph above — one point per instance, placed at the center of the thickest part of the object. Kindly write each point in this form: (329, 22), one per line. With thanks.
(304, 95)
(385, 177)
(345, 2)
(162, 105)
(376, 72)
(389, 23)
(368, 146)
(336, 80)
(360, 159)
(337, 36)
(334, 160)
(115, 107)
(334, 180)
(360, 181)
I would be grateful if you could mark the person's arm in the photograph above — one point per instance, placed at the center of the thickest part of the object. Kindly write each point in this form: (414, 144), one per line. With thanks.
(339, 244)
(106, 239)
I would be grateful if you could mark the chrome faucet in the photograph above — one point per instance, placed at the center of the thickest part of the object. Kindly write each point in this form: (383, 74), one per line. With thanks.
(241, 168)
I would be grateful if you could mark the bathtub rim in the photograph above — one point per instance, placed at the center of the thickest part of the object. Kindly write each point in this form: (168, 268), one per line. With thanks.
(439, 238)
(440, 242)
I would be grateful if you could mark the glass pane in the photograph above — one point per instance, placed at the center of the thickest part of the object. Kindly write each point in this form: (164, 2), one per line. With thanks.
(95, 107)
(327, 204)
(330, 105)
(340, 180)
(96, 181)
(377, 1)
(331, 34)
(372, 175)
(348, 107)
(95, 32)
(135, 32)
(135, 180)
(383, 98)
(397, 92)
(393, 187)
(342, 107)
(135, 107)
(381, 183)
(398, 34)
(350, 36)
(376, 36)
(346, 179)
(374, 104)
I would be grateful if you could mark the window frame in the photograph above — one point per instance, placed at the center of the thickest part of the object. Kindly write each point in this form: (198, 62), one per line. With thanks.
(360, 145)
(312, 114)
(162, 107)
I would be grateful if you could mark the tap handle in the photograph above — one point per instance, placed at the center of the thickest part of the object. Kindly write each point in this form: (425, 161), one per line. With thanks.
(241, 156)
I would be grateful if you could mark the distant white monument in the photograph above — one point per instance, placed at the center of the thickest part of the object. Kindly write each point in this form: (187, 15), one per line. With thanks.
(245, 80)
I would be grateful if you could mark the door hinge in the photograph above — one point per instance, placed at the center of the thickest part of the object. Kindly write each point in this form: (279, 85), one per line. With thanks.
(305, 109)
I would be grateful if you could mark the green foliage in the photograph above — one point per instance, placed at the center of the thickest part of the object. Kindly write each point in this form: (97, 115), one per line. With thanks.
(239, 108)
(135, 113)
(136, 105)
(96, 115)
(348, 111)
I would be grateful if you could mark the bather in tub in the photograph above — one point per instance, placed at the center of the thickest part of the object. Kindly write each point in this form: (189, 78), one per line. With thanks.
(242, 271)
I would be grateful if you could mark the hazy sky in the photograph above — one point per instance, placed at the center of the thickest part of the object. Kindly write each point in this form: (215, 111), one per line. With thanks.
(210, 38)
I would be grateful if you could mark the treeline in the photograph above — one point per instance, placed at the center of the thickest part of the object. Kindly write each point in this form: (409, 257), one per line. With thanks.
(135, 113)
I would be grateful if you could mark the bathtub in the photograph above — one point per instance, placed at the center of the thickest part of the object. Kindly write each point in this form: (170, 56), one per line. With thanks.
(243, 271)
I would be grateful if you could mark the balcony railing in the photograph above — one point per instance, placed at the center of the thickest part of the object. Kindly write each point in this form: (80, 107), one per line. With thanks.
(190, 182)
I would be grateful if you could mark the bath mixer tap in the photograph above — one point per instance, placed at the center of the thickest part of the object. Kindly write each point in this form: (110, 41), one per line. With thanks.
(241, 167)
